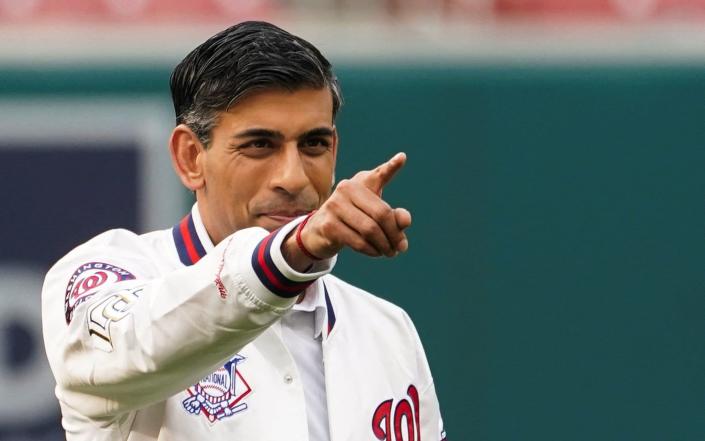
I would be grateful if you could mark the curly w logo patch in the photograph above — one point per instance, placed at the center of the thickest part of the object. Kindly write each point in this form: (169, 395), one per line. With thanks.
(400, 421)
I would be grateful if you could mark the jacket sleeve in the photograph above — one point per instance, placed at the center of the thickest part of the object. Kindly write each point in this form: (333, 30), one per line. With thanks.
(121, 334)
(429, 411)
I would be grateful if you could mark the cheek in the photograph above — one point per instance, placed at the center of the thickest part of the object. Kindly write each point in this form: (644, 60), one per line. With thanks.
(321, 177)
(245, 182)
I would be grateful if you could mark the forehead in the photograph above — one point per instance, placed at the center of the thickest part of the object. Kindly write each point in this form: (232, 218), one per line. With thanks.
(281, 109)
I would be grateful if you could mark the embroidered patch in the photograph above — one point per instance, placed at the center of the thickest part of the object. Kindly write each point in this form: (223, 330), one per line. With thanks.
(86, 281)
(220, 394)
(107, 311)
(219, 276)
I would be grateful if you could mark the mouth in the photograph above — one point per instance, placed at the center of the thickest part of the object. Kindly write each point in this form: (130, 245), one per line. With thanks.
(282, 217)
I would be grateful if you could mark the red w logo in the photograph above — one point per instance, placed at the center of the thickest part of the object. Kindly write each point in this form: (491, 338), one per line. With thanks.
(93, 281)
(404, 417)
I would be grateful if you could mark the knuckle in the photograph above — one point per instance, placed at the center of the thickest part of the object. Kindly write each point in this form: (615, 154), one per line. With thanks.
(368, 228)
(343, 184)
(327, 229)
(382, 212)
(333, 204)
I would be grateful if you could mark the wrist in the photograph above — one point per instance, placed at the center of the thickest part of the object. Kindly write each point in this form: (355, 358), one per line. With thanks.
(299, 240)
(293, 254)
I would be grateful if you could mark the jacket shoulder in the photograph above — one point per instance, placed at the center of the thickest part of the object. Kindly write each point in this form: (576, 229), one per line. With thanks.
(119, 247)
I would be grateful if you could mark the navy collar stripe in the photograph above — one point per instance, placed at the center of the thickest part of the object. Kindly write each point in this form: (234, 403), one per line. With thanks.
(188, 245)
(194, 237)
(180, 247)
(329, 307)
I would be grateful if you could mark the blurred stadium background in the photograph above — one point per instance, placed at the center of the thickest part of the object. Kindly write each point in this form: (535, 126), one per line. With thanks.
(556, 152)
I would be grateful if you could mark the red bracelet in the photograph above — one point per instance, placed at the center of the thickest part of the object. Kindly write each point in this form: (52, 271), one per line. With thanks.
(300, 242)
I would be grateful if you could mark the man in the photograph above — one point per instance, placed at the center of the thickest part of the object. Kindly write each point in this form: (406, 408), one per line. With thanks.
(229, 326)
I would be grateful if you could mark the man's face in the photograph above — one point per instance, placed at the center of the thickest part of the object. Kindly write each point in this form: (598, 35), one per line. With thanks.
(271, 159)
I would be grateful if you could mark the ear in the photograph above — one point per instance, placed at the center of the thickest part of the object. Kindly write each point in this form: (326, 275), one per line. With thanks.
(187, 157)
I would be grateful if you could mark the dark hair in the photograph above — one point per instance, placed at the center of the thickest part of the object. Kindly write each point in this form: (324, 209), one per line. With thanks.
(242, 59)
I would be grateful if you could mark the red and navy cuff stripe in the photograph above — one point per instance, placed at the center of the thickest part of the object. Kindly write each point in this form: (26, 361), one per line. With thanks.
(188, 245)
(269, 274)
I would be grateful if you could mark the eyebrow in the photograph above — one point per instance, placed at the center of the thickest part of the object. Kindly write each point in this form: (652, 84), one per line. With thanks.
(318, 131)
(259, 133)
(274, 134)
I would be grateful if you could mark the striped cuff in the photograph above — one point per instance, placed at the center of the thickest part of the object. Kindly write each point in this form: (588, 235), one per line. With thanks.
(273, 270)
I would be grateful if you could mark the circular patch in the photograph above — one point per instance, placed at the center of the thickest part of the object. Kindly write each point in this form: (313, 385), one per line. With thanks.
(216, 386)
(86, 281)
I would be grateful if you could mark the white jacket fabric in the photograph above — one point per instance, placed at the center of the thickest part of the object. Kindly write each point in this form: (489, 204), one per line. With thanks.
(151, 338)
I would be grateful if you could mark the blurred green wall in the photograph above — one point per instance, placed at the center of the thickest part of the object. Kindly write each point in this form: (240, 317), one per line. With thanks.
(557, 253)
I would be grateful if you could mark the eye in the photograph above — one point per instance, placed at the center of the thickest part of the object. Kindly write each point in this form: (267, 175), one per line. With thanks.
(259, 143)
(257, 148)
(316, 142)
(315, 146)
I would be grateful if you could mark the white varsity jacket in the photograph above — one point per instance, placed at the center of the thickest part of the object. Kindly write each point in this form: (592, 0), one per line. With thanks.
(151, 338)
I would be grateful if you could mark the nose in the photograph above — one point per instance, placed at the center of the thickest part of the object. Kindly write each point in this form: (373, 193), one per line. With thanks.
(289, 175)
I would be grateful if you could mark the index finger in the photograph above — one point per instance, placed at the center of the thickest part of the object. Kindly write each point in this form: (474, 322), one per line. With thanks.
(382, 174)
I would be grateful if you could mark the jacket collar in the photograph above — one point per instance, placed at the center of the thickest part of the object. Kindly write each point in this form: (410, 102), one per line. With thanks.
(318, 301)
(190, 237)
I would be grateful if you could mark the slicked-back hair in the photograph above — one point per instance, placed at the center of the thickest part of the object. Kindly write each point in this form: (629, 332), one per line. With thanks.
(245, 58)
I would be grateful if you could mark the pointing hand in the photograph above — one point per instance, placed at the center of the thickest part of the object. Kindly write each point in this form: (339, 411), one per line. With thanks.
(356, 216)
